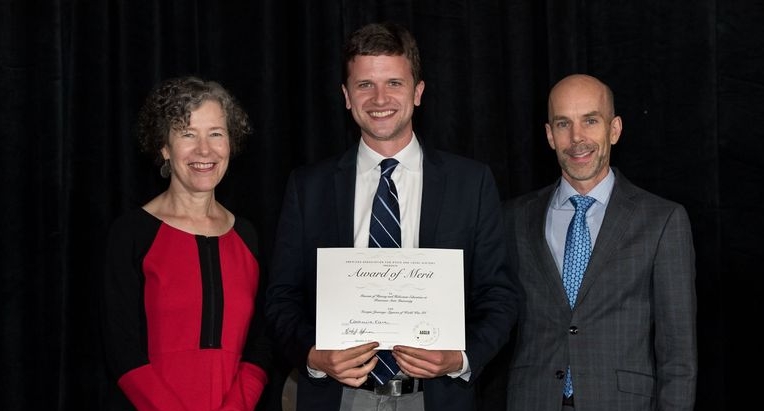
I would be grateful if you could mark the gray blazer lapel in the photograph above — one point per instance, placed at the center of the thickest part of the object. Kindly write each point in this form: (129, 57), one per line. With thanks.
(617, 216)
(537, 211)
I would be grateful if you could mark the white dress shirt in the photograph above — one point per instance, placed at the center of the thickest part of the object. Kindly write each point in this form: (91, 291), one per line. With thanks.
(407, 177)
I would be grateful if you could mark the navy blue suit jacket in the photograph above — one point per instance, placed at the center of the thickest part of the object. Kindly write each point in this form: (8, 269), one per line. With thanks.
(460, 210)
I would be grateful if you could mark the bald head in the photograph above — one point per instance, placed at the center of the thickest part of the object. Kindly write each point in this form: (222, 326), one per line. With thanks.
(582, 84)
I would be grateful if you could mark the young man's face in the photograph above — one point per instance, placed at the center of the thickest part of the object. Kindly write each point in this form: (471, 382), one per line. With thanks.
(381, 94)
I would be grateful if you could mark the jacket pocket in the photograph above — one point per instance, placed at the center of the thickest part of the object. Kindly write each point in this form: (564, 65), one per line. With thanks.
(636, 383)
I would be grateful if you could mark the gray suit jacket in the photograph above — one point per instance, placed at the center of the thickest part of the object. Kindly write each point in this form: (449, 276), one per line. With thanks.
(630, 340)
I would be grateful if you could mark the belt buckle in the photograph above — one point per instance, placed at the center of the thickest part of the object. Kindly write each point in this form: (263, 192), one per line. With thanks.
(392, 388)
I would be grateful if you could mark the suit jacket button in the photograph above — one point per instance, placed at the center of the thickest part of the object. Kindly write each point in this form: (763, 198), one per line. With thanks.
(573, 330)
(560, 374)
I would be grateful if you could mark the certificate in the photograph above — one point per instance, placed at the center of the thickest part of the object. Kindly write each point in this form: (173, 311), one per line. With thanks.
(395, 296)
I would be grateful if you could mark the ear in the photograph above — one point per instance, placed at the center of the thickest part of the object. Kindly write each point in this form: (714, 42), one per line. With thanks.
(549, 135)
(418, 90)
(615, 129)
(165, 152)
(347, 99)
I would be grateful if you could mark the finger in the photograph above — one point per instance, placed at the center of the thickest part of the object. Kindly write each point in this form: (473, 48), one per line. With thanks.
(361, 349)
(361, 360)
(414, 372)
(417, 368)
(412, 353)
(410, 357)
(354, 373)
(353, 357)
(369, 365)
(354, 382)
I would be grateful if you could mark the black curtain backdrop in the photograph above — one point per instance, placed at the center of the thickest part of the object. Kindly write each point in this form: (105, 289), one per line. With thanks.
(687, 77)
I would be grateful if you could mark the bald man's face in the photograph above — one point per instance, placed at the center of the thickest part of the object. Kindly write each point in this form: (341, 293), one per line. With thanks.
(581, 130)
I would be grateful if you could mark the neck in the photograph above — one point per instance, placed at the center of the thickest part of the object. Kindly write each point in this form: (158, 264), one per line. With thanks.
(388, 148)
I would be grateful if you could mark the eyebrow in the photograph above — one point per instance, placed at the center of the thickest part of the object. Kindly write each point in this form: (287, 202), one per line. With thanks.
(594, 113)
(400, 79)
(189, 128)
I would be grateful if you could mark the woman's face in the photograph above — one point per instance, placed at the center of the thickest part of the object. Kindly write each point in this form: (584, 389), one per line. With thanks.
(199, 154)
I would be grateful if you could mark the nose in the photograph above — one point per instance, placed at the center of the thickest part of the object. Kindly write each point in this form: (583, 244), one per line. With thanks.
(203, 146)
(380, 95)
(577, 133)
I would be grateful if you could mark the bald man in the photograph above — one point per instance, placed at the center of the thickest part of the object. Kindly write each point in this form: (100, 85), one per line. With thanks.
(609, 317)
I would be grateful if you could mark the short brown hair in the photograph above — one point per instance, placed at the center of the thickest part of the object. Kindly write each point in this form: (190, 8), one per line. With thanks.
(382, 39)
(169, 107)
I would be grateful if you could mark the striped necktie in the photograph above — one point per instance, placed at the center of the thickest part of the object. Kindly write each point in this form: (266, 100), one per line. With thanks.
(385, 227)
(385, 232)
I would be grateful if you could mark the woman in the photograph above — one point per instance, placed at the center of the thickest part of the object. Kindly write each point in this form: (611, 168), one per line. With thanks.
(180, 326)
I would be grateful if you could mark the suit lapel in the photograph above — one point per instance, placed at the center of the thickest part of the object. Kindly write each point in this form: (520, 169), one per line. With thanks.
(433, 187)
(617, 216)
(536, 229)
(344, 194)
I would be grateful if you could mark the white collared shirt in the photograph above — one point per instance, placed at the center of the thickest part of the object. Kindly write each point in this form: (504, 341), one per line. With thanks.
(407, 177)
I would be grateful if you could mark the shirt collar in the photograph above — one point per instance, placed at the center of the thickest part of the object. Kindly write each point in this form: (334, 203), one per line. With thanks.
(410, 157)
(600, 192)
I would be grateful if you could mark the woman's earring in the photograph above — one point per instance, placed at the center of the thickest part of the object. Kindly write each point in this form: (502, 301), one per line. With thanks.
(165, 170)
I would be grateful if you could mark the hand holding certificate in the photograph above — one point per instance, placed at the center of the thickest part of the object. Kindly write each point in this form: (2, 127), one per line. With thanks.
(395, 296)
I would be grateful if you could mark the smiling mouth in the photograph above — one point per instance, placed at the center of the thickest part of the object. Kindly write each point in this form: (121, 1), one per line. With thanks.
(381, 114)
(581, 151)
(580, 155)
(201, 166)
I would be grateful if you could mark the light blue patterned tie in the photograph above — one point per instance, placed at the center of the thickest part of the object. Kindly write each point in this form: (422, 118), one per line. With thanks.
(385, 231)
(578, 248)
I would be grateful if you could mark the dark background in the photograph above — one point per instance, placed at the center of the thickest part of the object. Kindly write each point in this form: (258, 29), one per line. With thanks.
(687, 77)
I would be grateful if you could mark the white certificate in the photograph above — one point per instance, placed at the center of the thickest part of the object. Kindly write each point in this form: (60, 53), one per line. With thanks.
(395, 296)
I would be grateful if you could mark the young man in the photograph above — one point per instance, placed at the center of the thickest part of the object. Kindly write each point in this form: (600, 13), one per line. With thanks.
(445, 201)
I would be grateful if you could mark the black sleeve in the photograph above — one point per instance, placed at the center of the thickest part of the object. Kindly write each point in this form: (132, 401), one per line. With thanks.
(123, 318)
(258, 348)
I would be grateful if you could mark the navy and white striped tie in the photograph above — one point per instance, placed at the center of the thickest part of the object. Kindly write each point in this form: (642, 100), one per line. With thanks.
(385, 227)
(385, 232)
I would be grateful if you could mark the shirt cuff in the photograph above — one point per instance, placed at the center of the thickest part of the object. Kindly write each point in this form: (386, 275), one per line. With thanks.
(315, 373)
(465, 372)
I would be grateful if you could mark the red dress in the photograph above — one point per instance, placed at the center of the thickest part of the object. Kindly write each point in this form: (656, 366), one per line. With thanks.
(179, 316)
